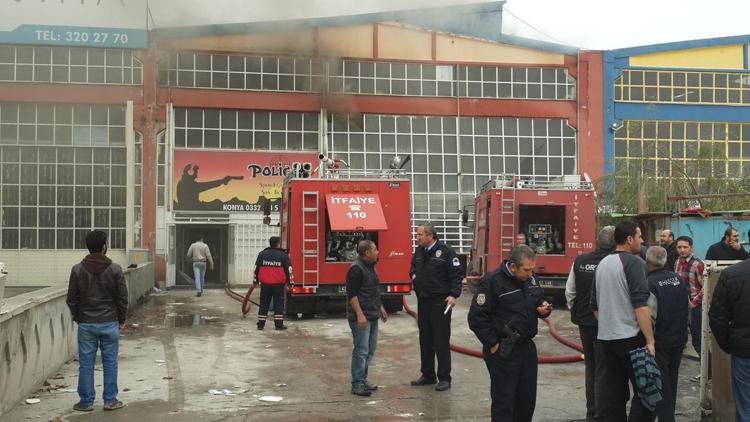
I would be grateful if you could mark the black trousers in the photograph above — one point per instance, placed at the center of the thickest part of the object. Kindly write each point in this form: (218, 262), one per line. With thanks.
(668, 359)
(513, 383)
(434, 338)
(590, 345)
(612, 378)
(277, 293)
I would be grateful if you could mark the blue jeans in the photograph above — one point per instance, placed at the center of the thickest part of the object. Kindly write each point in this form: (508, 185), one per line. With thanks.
(93, 336)
(741, 388)
(199, 270)
(365, 342)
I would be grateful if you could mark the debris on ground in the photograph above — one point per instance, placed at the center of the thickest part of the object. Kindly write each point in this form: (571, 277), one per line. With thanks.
(223, 392)
(281, 384)
(160, 361)
(32, 401)
(271, 398)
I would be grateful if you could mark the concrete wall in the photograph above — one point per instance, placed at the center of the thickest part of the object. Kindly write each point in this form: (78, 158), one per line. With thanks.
(38, 335)
(47, 267)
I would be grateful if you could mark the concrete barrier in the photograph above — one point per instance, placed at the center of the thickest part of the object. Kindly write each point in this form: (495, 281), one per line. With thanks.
(39, 336)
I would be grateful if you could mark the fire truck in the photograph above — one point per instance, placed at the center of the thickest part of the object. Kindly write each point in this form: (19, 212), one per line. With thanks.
(322, 220)
(556, 218)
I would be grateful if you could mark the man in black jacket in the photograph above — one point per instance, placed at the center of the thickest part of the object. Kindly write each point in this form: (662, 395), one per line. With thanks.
(728, 248)
(666, 240)
(363, 308)
(98, 302)
(273, 271)
(436, 274)
(503, 315)
(729, 318)
(669, 307)
(578, 296)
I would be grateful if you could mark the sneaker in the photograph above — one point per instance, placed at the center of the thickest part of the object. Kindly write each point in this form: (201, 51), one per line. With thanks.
(82, 407)
(361, 390)
(198, 294)
(281, 328)
(371, 387)
(114, 405)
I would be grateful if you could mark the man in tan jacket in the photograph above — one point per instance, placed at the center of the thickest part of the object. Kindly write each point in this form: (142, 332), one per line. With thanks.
(199, 254)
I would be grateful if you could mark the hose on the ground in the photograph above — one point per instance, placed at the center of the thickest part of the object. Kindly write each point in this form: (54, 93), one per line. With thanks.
(244, 299)
(542, 358)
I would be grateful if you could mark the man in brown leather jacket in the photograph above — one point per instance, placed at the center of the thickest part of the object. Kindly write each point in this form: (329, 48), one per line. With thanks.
(98, 302)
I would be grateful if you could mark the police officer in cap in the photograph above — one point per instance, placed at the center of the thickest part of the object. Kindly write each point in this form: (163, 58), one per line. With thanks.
(503, 315)
(436, 273)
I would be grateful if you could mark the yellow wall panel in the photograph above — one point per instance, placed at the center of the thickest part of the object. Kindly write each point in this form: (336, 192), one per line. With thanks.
(297, 42)
(722, 57)
(400, 43)
(457, 49)
(347, 41)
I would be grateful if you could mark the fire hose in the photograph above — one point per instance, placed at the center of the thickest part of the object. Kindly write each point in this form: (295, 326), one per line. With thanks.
(542, 358)
(244, 299)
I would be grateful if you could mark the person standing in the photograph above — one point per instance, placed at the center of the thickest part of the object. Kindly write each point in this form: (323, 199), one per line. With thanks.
(669, 308)
(519, 240)
(729, 319)
(620, 301)
(503, 315)
(274, 272)
(436, 274)
(199, 253)
(578, 296)
(728, 248)
(98, 302)
(666, 240)
(690, 268)
(363, 308)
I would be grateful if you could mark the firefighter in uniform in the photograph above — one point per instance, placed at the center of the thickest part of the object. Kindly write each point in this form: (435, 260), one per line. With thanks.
(273, 271)
(436, 274)
(503, 315)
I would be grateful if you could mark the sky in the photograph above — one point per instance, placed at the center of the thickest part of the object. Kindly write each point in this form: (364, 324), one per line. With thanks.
(589, 24)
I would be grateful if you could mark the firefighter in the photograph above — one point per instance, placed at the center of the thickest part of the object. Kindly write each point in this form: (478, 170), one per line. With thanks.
(273, 271)
(503, 315)
(436, 274)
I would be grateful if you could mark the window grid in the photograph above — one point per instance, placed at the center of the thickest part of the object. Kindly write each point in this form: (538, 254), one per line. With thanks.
(482, 147)
(672, 149)
(246, 130)
(55, 191)
(69, 65)
(161, 168)
(299, 74)
(683, 87)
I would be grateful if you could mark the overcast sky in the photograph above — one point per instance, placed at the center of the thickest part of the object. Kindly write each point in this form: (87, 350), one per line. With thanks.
(592, 24)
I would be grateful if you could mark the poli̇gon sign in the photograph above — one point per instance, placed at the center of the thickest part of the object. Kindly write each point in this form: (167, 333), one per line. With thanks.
(235, 181)
(82, 23)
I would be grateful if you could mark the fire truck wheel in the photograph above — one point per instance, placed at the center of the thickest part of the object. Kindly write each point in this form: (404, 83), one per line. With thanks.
(393, 304)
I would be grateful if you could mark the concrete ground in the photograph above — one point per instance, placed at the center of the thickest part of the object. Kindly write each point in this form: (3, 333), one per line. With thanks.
(178, 347)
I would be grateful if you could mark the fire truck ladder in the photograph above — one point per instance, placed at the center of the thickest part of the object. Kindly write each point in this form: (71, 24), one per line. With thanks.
(507, 219)
(310, 239)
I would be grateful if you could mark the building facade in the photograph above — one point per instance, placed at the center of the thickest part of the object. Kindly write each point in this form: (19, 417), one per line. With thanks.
(93, 137)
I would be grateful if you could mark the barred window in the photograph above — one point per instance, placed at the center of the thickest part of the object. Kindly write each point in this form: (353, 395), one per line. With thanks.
(683, 87)
(62, 173)
(69, 65)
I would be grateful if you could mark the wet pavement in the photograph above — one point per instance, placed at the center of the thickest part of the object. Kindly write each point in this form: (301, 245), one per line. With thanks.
(184, 358)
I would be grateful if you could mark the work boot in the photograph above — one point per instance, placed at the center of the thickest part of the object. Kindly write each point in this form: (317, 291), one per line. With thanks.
(371, 387)
(82, 407)
(281, 327)
(114, 405)
(361, 390)
(423, 381)
(261, 325)
(443, 385)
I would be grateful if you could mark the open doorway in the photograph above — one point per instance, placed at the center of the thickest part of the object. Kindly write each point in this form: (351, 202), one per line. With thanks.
(217, 238)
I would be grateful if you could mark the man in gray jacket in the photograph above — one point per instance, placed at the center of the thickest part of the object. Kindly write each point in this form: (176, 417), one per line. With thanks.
(98, 302)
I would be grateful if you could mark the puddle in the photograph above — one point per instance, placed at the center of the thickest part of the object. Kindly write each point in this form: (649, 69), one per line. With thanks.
(189, 320)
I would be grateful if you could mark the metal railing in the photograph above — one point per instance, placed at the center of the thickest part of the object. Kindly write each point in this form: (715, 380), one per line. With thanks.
(509, 181)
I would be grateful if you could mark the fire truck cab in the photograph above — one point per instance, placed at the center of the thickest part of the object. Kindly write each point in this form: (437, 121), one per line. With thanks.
(322, 220)
(556, 218)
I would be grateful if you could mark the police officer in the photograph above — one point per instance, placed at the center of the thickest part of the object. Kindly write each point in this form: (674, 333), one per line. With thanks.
(503, 315)
(578, 295)
(435, 271)
(273, 271)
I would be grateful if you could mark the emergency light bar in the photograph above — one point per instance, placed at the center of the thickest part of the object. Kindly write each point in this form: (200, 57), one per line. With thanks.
(398, 288)
(303, 290)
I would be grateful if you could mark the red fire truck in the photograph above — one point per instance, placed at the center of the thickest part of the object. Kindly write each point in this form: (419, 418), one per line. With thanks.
(556, 218)
(322, 220)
